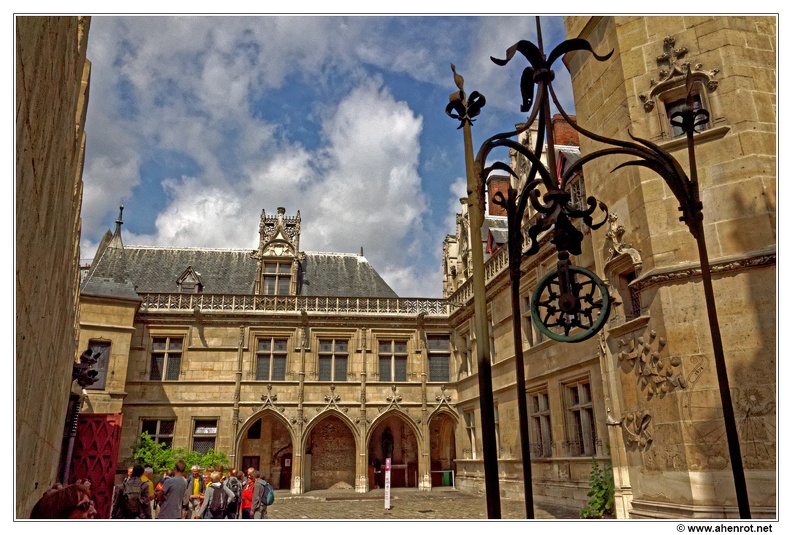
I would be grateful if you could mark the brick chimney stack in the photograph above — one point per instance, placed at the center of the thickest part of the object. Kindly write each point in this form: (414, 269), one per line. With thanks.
(563, 134)
(496, 184)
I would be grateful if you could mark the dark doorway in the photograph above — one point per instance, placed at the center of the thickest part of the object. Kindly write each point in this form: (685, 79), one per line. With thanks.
(286, 471)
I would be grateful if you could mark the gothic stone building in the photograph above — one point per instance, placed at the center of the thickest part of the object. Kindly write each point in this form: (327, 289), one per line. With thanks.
(309, 367)
(304, 365)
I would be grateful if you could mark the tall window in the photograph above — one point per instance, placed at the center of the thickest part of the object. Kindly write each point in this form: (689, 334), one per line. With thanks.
(271, 359)
(581, 432)
(527, 321)
(541, 441)
(439, 356)
(166, 354)
(632, 308)
(491, 329)
(161, 431)
(276, 278)
(333, 359)
(470, 428)
(204, 435)
(101, 351)
(497, 431)
(392, 360)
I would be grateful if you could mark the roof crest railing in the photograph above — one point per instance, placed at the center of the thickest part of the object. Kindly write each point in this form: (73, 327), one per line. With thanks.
(184, 302)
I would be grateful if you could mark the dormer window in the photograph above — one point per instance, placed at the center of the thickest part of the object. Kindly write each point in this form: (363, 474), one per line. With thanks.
(276, 278)
(190, 282)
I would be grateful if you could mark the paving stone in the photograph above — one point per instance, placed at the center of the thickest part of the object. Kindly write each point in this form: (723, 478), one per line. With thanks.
(409, 504)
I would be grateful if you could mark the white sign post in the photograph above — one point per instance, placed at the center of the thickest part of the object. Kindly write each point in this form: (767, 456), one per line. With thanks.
(387, 483)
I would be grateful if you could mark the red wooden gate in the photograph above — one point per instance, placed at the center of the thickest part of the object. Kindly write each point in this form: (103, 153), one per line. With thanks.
(95, 454)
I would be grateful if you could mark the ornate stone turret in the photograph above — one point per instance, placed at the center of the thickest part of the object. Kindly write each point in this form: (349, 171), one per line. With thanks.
(278, 254)
(279, 235)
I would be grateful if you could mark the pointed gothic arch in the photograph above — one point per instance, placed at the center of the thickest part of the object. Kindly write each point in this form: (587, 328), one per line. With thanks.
(263, 441)
(330, 446)
(393, 433)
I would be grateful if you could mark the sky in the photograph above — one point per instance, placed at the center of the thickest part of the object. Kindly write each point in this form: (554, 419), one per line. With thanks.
(197, 123)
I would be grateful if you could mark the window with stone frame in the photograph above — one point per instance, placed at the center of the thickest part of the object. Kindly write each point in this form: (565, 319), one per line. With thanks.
(160, 431)
(271, 359)
(541, 443)
(673, 105)
(632, 299)
(100, 350)
(470, 431)
(580, 425)
(497, 431)
(392, 355)
(669, 88)
(439, 354)
(333, 359)
(491, 333)
(204, 435)
(166, 357)
(276, 278)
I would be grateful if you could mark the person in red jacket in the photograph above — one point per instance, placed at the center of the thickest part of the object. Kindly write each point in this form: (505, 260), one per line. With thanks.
(247, 498)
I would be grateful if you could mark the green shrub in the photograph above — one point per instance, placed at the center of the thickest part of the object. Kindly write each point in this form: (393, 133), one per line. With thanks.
(159, 457)
(601, 495)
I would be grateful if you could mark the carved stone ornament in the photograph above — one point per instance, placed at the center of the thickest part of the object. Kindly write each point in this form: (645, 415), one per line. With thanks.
(635, 427)
(672, 70)
(656, 374)
(332, 402)
(442, 399)
(716, 267)
(615, 234)
(393, 400)
(278, 235)
(269, 400)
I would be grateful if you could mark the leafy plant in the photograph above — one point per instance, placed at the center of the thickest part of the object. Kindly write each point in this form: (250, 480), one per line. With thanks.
(159, 457)
(601, 495)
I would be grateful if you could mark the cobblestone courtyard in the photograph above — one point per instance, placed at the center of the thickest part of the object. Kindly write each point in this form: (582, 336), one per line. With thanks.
(405, 504)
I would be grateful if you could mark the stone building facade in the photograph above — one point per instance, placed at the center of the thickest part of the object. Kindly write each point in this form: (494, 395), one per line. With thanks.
(644, 394)
(304, 365)
(309, 367)
(52, 79)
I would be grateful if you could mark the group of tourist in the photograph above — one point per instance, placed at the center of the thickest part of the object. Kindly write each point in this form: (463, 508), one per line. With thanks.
(214, 495)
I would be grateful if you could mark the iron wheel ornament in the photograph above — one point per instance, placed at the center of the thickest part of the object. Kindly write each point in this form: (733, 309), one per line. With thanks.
(568, 298)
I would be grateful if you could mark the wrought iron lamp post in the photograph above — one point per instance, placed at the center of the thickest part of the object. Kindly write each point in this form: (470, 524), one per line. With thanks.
(570, 304)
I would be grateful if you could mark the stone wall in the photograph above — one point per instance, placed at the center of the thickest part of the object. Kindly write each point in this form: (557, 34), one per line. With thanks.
(52, 76)
(672, 461)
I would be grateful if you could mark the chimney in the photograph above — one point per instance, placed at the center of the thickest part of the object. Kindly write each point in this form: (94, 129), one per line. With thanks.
(496, 184)
(563, 134)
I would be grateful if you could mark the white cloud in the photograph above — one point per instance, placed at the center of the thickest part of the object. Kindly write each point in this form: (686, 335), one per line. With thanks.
(186, 87)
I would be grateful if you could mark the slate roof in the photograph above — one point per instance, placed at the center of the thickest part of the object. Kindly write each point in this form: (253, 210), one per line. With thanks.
(493, 222)
(331, 274)
(123, 273)
(499, 235)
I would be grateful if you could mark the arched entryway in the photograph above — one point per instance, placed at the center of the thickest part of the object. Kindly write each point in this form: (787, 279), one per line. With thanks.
(330, 453)
(393, 436)
(266, 445)
(442, 445)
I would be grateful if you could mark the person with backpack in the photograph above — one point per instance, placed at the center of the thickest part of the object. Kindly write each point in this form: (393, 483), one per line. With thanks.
(263, 495)
(131, 498)
(235, 486)
(216, 499)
